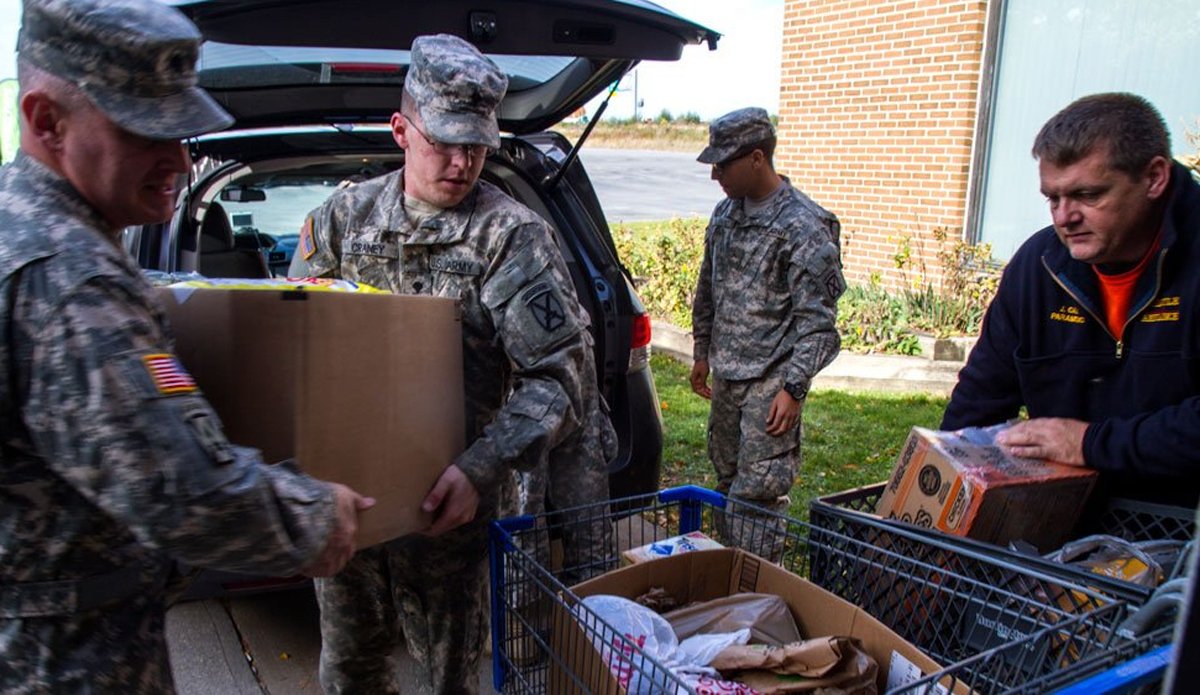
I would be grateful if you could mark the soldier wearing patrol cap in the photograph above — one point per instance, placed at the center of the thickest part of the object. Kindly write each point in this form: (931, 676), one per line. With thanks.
(763, 320)
(434, 228)
(113, 465)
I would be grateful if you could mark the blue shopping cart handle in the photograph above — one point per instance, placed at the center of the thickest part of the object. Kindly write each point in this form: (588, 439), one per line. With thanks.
(1147, 668)
(515, 523)
(692, 493)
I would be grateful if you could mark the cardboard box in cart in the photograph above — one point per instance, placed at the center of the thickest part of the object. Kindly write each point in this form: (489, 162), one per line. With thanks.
(711, 574)
(362, 389)
(962, 484)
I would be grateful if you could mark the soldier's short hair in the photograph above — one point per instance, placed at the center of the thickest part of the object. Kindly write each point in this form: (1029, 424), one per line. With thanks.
(1129, 125)
(32, 78)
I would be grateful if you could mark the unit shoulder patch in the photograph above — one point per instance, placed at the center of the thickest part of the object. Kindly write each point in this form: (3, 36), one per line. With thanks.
(545, 306)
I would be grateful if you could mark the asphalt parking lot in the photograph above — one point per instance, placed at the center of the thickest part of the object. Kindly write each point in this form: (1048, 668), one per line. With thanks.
(637, 185)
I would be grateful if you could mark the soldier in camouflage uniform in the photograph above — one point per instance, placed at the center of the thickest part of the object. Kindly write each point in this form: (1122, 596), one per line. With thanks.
(763, 320)
(433, 228)
(113, 464)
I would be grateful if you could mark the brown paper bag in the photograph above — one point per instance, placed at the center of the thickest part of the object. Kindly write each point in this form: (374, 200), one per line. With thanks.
(814, 657)
(833, 664)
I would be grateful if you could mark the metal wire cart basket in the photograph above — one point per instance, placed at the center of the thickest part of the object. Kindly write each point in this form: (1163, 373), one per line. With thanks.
(1137, 653)
(852, 513)
(995, 626)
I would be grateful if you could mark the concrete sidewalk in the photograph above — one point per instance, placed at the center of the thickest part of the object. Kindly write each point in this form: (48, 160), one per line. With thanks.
(848, 371)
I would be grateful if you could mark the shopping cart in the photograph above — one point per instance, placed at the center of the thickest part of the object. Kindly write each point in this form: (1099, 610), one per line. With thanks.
(852, 513)
(995, 627)
(1122, 668)
(1142, 650)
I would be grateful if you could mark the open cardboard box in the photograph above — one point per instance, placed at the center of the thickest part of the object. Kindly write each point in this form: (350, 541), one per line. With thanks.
(362, 389)
(708, 574)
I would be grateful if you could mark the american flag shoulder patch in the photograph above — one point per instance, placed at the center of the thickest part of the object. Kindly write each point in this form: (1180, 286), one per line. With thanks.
(307, 245)
(168, 374)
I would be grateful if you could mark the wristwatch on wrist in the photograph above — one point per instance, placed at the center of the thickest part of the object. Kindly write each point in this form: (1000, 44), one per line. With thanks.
(795, 390)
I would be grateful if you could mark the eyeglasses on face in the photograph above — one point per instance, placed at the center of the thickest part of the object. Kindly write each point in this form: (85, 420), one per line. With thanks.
(445, 148)
(721, 166)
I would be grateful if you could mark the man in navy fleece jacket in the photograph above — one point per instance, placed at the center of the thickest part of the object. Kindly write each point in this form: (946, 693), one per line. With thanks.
(1094, 328)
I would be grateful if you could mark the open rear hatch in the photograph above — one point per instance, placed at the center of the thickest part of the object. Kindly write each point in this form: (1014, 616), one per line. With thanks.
(274, 63)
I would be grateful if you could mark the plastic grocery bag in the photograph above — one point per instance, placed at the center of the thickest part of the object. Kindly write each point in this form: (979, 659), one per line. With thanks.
(700, 650)
(1145, 563)
(767, 616)
(651, 636)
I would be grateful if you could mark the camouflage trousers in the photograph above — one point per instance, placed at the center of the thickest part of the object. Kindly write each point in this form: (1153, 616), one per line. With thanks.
(119, 649)
(574, 483)
(575, 475)
(751, 465)
(430, 589)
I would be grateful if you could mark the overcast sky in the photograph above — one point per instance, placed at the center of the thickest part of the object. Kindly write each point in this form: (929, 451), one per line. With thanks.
(743, 71)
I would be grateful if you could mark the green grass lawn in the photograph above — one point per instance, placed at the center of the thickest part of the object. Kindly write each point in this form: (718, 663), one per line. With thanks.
(850, 439)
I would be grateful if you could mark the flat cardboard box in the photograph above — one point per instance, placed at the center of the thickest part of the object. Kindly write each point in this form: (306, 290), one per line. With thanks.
(362, 389)
(675, 545)
(963, 484)
(710, 574)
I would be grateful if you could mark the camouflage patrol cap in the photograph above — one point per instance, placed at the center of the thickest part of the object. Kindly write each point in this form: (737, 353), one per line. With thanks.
(735, 134)
(456, 90)
(134, 59)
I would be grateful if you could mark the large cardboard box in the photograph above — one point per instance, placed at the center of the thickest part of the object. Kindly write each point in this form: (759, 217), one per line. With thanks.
(963, 484)
(362, 389)
(710, 574)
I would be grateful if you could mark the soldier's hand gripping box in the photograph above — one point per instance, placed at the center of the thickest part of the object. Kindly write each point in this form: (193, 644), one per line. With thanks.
(362, 389)
(963, 484)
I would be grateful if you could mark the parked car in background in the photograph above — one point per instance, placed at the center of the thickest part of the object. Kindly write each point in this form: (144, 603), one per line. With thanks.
(312, 87)
(267, 220)
(280, 256)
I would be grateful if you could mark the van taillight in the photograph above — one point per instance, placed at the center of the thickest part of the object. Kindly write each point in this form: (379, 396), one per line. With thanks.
(639, 343)
(641, 331)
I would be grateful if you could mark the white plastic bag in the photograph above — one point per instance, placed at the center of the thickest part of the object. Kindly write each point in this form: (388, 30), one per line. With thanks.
(700, 650)
(651, 636)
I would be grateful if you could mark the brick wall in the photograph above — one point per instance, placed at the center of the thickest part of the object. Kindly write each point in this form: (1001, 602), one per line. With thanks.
(876, 118)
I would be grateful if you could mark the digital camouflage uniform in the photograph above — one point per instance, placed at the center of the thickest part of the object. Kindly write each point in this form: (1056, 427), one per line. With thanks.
(113, 465)
(530, 381)
(113, 462)
(764, 315)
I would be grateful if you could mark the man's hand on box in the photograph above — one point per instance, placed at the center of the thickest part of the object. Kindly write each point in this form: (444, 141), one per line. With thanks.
(452, 501)
(340, 546)
(1054, 438)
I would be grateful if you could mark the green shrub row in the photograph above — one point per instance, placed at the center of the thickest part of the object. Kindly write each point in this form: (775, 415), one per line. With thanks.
(664, 260)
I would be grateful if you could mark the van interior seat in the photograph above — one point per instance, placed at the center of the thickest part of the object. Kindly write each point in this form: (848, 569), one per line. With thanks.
(219, 255)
